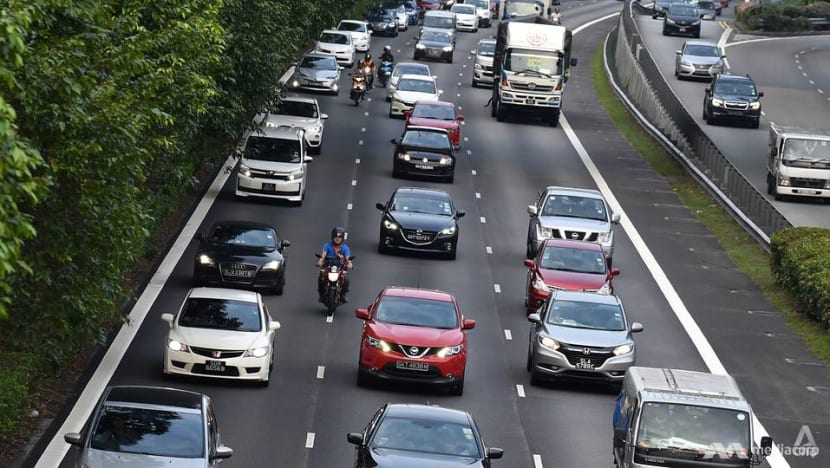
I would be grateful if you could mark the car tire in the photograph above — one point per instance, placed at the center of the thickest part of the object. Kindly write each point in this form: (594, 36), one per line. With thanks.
(363, 380)
(457, 389)
(529, 363)
(451, 178)
(475, 83)
(535, 379)
(756, 123)
(554, 119)
(499, 112)
(395, 34)
(391, 115)
(475, 30)
(697, 36)
(452, 255)
(280, 287)
(665, 33)
(449, 60)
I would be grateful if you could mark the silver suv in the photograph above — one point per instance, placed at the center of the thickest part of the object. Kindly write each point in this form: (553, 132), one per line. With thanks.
(571, 213)
(273, 164)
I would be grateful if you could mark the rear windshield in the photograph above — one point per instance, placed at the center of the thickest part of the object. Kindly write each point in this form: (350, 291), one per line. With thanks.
(352, 27)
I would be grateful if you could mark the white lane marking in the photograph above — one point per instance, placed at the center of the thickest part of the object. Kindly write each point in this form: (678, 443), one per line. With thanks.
(488, 249)
(812, 82)
(469, 153)
(508, 335)
(483, 220)
(329, 318)
(478, 195)
(321, 371)
(763, 113)
(474, 172)
(354, 182)
(366, 113)
(309, 440)
(799, 67)
(460, 74)
(349, 206)
(363, 129)
(520, 390)
(459, 107)
(464, 66)
(800, 51)
(459, 83)
(497, 288)
(458, 94)
(796, 60)
(360, 142)
(466, 139)
(804, 74)
(820, 91)
(537, 461)
(803, 363)
(357, 161)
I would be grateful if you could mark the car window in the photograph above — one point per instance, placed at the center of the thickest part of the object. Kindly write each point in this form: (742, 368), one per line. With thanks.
(482, 4)
(464, 9)
(487, 49)
(682, 10)
(221, 314)
(589, 315)
(574, 207)
(699, 50)
(148, 431)
(436, 36)
(426, 139)
(335, 38)
(524, 60)
(319, 63)
(411, 203)
(575, 260)
(416, 86)
(272, 149)
(427, 111)
(349, 26)
(438, 22)
(416, 312)
(242, 236)
(298, 108)
(737, 88)
(410, 70)
(705, 5)
(426, 436)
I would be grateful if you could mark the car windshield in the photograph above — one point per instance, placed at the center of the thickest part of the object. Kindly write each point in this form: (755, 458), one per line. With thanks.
(422, 203)
(803, 151)
(335, 38)
(735, 88)
(431, 21)
(350, 26)
(148, 431)
(574, 207)
(675, 431)
(487, 49)
(319, 63)
(590, 315)
(533, 62)
(482, 4)
(422, 435)
(426, 139)
(416, 312)
(464, 9)
(272, 149)
(416, 86)
(427, 111)
(573, 259)
(705, 5)
(700, 50)
(520, 8)
(682, 10)
(221, 314)
(242, 236)
(410, 70)
(382, 15)
(297, 108)
(435, 36)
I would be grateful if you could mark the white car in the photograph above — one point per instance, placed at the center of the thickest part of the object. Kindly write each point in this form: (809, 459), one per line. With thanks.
(361, 34)
(222, 333)
(404, 68)
(401, 18)
(466, 17)
(412, 88)
(338, 43)
(273, 164)
(299, 112)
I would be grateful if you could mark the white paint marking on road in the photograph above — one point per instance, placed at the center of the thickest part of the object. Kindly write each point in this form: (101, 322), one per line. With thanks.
(478, 195)
(360, 142)
(483, 220)
(466, 139)
(520, 390)
(508, 335)
(488, 249)
(459, 107)
(459, 83)
(458, 94)
(460, 74)
(803, 363)
(474, 172)
(354, 182)
(805, 75)
(363, 129)
(309, 440)
(329, 318)
(366, 113)
(349, 206)
(811, 82)
(321, 371)
(796, 60)
(799, 67)
(820, 91)
(469, 153)
(537, 461)
(464, 66)
(763, 113)
(357, 160)
(497, 288)
(800, 51)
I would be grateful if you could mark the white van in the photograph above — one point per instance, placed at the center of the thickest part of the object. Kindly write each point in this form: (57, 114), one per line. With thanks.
(273, 164)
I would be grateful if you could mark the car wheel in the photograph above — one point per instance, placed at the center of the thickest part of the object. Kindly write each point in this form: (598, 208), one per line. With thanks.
(457, 389)
(529, 364)
(382, 249)
(554, 119)
(452, 255)
(475, 83)
(449, 60)
(535, 379)
(756, 123)
(363, 380)
(499, 113)
(391, 115)
(395, 34)
(451, 178)
(280, 287)
(697, 35)
(665, 33)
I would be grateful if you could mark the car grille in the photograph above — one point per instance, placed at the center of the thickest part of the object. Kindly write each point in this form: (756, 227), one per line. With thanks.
(536, 88)
(807, 183)
(421, 238)
(238, 271)
(487, 68)
(576, 235)
(223, 354)
(575, 354)
(415, 351)
(733, 105)
(259, 174)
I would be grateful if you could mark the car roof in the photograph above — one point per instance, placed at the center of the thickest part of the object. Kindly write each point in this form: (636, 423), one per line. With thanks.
(728, 77)
(282, 132)
(582, 296)
(418, 293)
(487, 39)
(422, 191)
(573, 191)
(224, 293)
(433, 413)
(159, 396)
(418, 77)
(412, 65)
(250, 224)
(573, 244)
(335, 31)
(435, 103)
(353, 21)
(317, 53)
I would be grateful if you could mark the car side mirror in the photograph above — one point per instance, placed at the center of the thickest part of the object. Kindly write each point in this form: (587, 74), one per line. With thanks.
(440, 91)
(472, 52)
(460, 213)
(529, 263)
(723, 56)
(615, 218)
(615, 272)
(655, 16)
(531, 210)
(273, 325)
(636, 327)
(573, 62)
(702, 15)
(766, 443)
(222, 452)
(370, 32)
(168, 318)
(534, 317)
(380, 206)
(468, 324)
(761, 94)
(285, 243)
(434, 77)
(324, 116)
(494, 453)
(460, 118)
(678, 52)
(308, 159)
(394, 141)
(355, 438)
(73, 438)
(362, 314)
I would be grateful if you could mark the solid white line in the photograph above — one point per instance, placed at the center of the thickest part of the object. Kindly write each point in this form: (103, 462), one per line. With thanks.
(537, 461)
(497, 288)
(483, 220)
(488, 249)
(321, 371)
(520, 390)
(309, 440)
(508, 335)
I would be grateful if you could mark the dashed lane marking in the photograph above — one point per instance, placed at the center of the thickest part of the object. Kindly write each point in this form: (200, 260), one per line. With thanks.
(537, 461)
(497, 288)
(488, 249)
(520, 390)
(321, 371)
(483, 220)
(309, 440)
(508, 335)
(478, 195)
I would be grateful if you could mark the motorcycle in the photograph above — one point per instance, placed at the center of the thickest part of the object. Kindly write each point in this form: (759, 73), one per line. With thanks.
(334, 272)
(358, 91)
(556, 18)
(384, 71)
(370, 77)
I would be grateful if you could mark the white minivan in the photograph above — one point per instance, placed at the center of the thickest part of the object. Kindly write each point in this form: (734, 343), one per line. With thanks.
(274, 164)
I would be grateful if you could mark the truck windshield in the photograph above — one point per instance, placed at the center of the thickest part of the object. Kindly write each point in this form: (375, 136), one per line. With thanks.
(694, 433)
(522, 8)
(806, 153)
(533, 62)
(273, 149)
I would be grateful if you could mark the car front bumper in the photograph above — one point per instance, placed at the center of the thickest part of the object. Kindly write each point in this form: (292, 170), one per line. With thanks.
(466, 25)
(313, 85)
(554, 364)
(235, 368)
(698, 70)
(211, 275)
(735, 114)
(440, 54)
(690, 30)
(437, 244)
(384, 365)
(269, 188)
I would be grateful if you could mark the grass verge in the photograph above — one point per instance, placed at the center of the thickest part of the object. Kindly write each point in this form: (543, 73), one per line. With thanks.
(749, 257)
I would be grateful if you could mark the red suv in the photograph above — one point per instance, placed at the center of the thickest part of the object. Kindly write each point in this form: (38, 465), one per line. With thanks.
(569, 265)
(427, 5)
(416, 336)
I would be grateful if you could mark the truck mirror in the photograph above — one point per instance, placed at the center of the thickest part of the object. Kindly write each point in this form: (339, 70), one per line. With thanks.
(619, 437)
(766, 443)
(573, 62)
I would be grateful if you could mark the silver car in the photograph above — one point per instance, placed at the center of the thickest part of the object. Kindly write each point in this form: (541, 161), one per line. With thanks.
(299, 112)
(580, 335)
(698, 59)
(405, 68)
(571, 213)
(150, 426)
(483, 66)
(317, 72)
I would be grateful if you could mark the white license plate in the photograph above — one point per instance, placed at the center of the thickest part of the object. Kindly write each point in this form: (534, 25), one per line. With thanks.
(214, 366)
(269, 187)
(585, 364)
(239, 273)
(416, 237)
(434, 53)
(682, 29)
(409, 365)
(423, 166)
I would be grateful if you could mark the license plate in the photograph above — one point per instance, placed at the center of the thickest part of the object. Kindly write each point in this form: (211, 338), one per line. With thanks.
(423, 166)
(531, 102)
(239, 273)
(416, 237)
(682, 29)
(409, 365)
(434, 53)
(585, 363)
(215, 366)
(269, 187)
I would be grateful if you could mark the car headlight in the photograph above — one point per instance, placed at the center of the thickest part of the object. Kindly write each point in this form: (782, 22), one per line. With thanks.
(176, 345)
(295, 83)
(296, 175)
(605, 289)
(379, 344)
(717, 102)
(685, 63)
(545, 233)
(445, 161)
(604, 237)
(670, 21)
(403, 156)
(477, 66)
(450, 351)
(257, 352)
(205, 259)
(335, 87)
(245, 170)
(315, 129)
(755, 105)
(272, 265)
(623, 349)
(448, 231)
(389, 225)
(695, 23)
(539, 283)
(549, 343)
(783, 181)
(420, 46)
(447, 48)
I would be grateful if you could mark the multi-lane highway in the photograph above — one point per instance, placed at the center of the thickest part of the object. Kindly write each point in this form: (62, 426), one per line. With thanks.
(675, 280)
(792, 73)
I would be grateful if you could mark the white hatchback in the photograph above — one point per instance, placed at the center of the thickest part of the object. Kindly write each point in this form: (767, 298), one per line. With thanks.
(405, 68)
(338, 43)
(411, 88)
(221, 333)
(466, 17)
(361, 34)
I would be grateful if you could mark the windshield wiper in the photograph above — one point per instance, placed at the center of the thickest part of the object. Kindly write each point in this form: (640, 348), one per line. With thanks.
(528, 71)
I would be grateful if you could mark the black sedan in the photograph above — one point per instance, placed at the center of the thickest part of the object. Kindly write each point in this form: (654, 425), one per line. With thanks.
(410, 436)
(435, 43)
(383, 21)
(682, 18)
(419, 219)
(244, 254)
(424, 151)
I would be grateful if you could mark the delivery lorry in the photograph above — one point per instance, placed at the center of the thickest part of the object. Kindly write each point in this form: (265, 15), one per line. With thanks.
(798, 163)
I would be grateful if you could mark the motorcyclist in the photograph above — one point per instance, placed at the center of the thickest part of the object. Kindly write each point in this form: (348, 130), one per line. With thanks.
(387, 56)
(367, 67)
(556, 16)
(335, 248)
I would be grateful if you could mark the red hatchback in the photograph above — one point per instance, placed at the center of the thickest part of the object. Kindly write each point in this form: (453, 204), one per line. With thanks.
(428, 5)
(569, 265)
(416, 336)
(436, 114)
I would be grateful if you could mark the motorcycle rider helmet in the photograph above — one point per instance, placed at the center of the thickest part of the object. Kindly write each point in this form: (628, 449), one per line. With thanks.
(338, 232)
(368, 56)
(387, 49)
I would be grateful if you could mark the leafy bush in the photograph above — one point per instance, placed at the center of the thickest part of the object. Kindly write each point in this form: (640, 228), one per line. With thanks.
(801, 265)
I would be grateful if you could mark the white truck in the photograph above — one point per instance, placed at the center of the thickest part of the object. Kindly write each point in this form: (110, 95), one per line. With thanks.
(531, 65)
(798, 163)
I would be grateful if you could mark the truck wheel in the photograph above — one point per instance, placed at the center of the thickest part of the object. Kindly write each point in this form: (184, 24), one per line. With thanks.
(770, 184)
(493, 107)
(554, 119)
(756, 123)
(499, 113)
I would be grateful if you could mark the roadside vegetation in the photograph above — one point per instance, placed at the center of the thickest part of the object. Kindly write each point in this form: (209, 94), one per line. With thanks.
(783, 16)
(796, 279)
(112, 112)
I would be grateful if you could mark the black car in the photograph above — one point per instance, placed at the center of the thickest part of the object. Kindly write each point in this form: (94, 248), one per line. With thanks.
(383, 21)
(236, 253)
(435, 43)
(424, 151)
(410, 436)
(682, 18)
(732, 97)
(419, 219)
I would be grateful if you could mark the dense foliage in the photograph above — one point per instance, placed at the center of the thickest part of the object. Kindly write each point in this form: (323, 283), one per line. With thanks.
(788, 16)
(801, 264)
(108, 110)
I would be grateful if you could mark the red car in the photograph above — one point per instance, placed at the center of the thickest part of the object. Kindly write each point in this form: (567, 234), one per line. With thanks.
(415, 336)
(427, 5)
(436, 114)
(569, 265)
